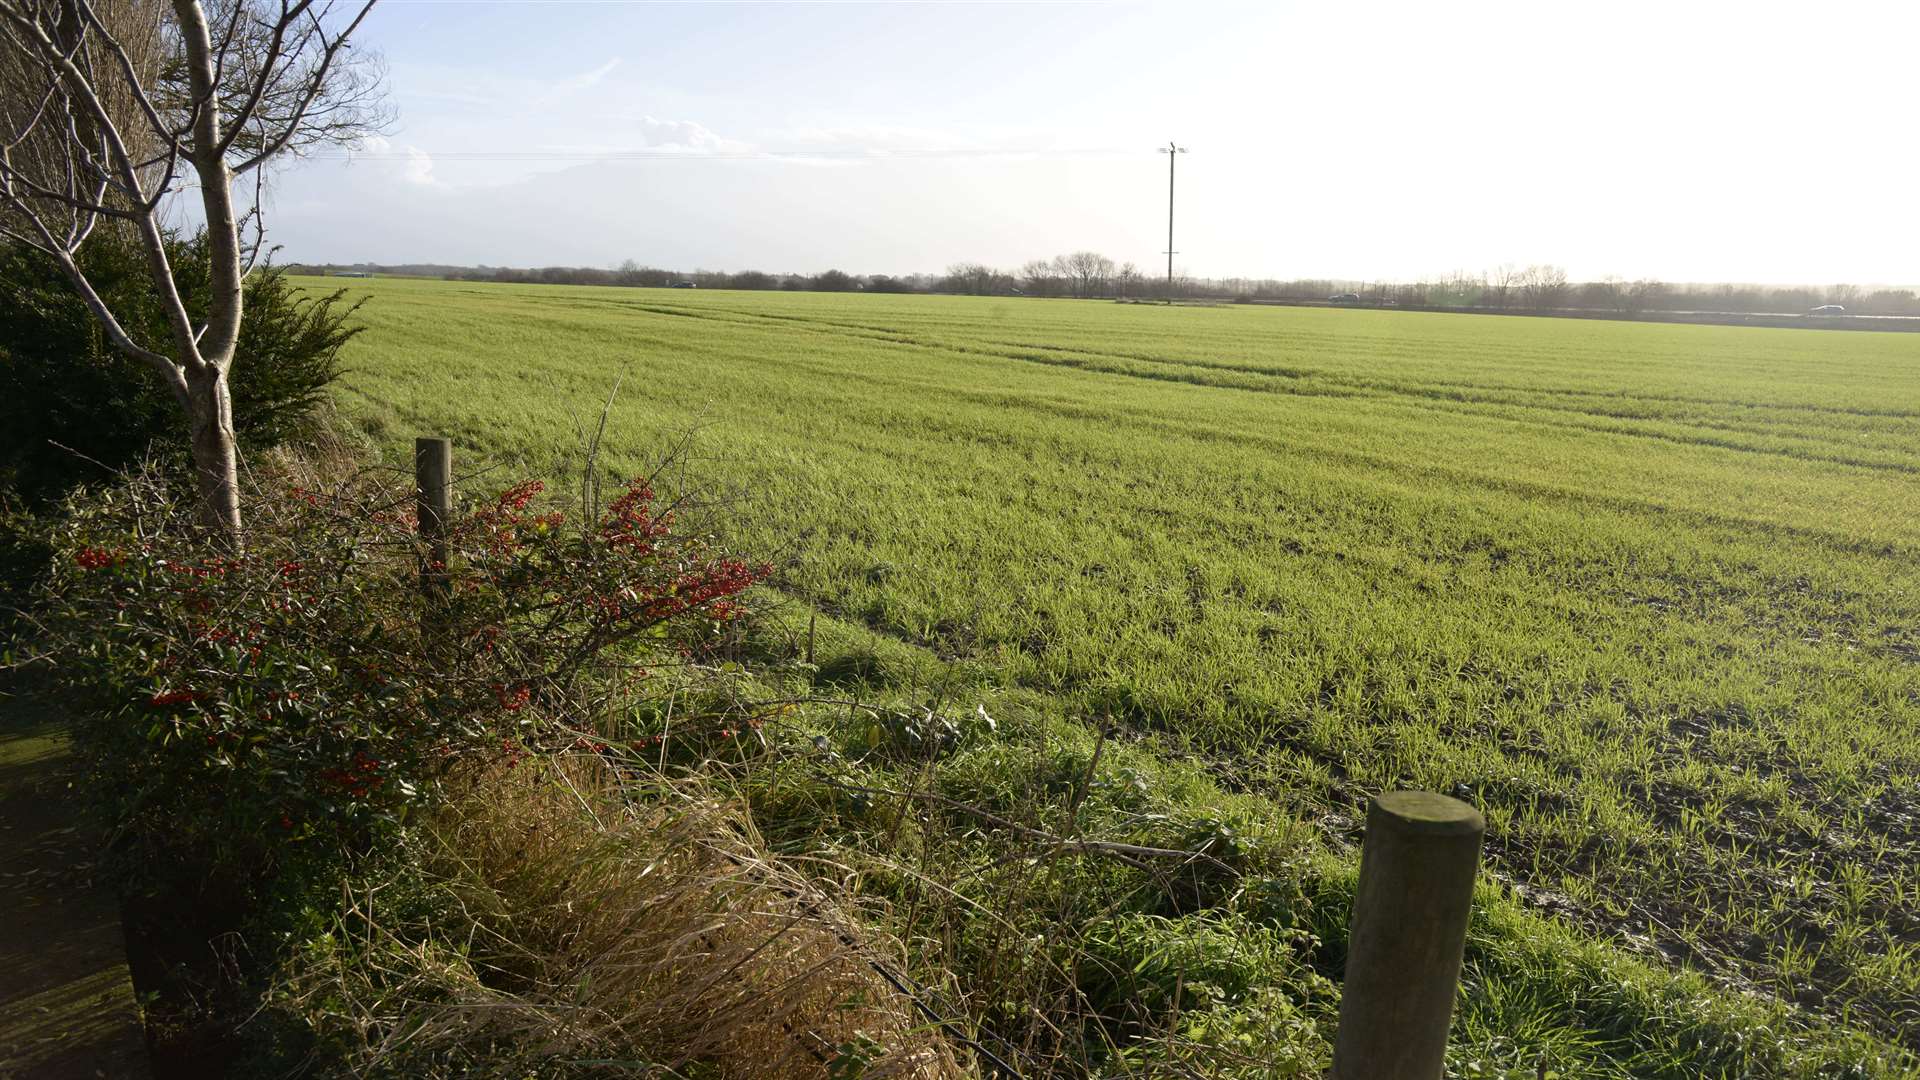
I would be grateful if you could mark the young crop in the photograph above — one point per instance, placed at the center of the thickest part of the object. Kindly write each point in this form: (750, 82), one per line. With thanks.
(1646, 593)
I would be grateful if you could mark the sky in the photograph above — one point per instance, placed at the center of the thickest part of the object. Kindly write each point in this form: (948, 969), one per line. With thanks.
(1685, 141)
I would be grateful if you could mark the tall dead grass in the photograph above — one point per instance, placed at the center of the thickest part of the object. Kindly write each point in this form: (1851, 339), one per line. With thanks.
(593, 931)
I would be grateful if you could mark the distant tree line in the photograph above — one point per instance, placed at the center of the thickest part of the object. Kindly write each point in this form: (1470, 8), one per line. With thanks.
(1091, 275)
(1548, 288)
(1082, 274)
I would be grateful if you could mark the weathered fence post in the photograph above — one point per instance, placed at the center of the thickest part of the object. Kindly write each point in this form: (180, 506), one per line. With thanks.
(1417, 867)
(433, 487)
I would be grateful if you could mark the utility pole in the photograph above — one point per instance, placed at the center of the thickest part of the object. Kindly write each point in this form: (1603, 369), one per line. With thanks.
(1172, 151)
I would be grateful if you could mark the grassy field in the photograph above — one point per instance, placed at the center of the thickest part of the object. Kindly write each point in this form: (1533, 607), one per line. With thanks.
(1649, 595)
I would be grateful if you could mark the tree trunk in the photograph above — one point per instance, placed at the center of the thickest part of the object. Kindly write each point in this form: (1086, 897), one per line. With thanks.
(210, 410)
(216, 465)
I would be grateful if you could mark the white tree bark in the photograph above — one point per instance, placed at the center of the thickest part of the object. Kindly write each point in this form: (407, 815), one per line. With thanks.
(210, 354)
(258, 79)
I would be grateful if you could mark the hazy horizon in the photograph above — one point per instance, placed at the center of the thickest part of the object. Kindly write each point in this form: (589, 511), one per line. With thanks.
(1149, 274)
(1718, 143)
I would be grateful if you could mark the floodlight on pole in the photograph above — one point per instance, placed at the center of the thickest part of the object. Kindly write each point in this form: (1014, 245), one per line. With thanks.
(1173, 152)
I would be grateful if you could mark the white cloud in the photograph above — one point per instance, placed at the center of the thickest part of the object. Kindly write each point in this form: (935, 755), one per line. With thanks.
(419, 168)
(457, 97)
(649, 134)
(383, 157)
(880, 137)
(851, 143)
(585, 80)
(683, 134)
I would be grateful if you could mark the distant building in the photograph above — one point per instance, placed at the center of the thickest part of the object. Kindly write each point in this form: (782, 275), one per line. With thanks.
(350, 273)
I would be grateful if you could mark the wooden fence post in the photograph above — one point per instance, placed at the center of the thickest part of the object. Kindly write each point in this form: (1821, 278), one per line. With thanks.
(433, 488)
(1417, 867)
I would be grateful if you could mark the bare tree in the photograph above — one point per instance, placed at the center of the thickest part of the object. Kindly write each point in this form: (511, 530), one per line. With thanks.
(1645, 294)
(98, 124)
(1127, 278)
(976, 279)
(1543, 287)
(1501, 282)
(1041, 277)
(1460, 289)
(1087, 270)
(1892, 302)
(1609, 293)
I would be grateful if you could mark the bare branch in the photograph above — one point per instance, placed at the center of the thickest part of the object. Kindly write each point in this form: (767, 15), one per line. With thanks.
(69, 198)
(128, 71)
(275, 37)
(101, 103)
(33, 116)
(78, 87)
(255, 217)
(315, 84)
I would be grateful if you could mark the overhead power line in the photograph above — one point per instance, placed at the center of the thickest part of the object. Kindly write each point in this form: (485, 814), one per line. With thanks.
(705, 155)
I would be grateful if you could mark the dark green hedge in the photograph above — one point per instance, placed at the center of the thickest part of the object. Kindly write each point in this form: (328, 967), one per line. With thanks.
(66, 395)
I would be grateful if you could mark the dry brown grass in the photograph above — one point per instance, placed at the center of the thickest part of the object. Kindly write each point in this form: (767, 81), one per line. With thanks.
(613, 934)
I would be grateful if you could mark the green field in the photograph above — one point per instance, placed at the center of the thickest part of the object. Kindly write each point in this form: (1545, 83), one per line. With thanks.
(1647, 594)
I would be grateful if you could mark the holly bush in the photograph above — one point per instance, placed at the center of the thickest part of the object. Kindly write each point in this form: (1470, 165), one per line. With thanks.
(304, 693)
